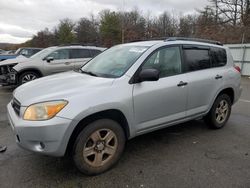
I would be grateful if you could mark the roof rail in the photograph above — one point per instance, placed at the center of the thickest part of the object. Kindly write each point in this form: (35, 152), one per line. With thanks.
(71, 44)
(77, 44)
(194, 39)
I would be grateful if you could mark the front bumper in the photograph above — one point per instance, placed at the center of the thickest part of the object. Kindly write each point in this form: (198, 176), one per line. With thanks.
(48, 137)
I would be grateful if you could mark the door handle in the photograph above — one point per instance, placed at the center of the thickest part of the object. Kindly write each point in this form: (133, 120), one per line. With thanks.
(67, 63)
(182, 84)
(217, 77)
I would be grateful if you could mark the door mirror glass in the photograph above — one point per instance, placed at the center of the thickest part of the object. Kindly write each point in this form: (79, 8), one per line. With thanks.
(49, 59)
(149, 75)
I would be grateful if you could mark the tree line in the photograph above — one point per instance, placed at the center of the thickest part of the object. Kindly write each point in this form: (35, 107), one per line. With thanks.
(227, 21)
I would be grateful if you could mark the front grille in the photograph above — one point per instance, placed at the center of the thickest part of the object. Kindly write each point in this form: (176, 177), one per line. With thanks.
(16, 106)
(5, 69)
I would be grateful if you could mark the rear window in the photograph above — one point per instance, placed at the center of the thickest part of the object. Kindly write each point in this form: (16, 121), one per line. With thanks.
(196, 58)
(219, 57)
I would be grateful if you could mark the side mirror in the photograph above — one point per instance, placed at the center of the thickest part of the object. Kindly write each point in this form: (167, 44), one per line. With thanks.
(49, 59)
(149, 75)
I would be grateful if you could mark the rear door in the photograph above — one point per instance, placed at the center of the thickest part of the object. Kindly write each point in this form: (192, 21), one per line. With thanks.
(80, 57)
(204, 80)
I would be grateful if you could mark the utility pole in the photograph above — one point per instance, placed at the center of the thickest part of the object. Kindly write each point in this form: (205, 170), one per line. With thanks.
(123, 14)
(217, 12)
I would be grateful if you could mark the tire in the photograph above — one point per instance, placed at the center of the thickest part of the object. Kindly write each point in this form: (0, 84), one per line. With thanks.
(219, 113)
(27, 77)
(95, 153)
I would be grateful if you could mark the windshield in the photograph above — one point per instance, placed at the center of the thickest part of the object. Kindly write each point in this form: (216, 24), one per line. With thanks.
(114, 62)
(42, 53)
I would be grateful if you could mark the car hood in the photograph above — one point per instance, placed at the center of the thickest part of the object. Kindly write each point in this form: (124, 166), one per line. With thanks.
(15, 60)
(60, 86)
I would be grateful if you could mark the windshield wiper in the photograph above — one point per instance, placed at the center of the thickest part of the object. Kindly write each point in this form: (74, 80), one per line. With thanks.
(89, 73)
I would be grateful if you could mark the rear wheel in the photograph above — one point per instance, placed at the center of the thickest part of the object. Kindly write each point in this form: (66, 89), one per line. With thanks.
(220, 112)
(27, 77)
(98, 147)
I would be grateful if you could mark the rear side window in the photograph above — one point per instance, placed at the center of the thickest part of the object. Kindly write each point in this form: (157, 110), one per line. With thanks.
(80, 53)
(196, 58)
(95, 52)
(219, 57)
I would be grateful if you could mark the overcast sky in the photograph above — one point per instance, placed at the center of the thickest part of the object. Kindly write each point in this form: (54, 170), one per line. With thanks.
(21, 19)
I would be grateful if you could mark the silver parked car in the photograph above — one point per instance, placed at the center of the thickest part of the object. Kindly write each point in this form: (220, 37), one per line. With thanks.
(46, 62)
(126, 91)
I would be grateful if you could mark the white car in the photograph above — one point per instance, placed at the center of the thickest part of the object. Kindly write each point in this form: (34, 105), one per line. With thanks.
(46, 62)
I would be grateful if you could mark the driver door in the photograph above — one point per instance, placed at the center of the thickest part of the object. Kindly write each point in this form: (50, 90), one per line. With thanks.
(60, 62)
(159, 102)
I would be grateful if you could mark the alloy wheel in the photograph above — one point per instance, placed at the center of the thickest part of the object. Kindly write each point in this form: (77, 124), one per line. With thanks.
(100, 147)
(28, 77)
(221, 111)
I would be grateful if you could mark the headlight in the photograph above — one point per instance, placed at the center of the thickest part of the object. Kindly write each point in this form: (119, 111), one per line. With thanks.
(43, 111)
(10, 67)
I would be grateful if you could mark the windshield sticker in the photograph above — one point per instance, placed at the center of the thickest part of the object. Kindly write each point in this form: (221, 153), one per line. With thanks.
(137, 50)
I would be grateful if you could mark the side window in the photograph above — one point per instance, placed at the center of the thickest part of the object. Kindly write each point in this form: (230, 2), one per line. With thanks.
(166, 60)
(196, 59)
(29, 52)
(95, 52)
(219, 57)
(80, 53)
(60, 54)
(25, 52)
(35, 51)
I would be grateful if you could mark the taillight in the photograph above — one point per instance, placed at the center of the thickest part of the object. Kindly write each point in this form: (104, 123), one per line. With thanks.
(237, 68)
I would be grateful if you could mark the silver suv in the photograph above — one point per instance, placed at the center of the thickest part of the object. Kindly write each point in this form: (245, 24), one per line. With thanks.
(48, 61)
(126, 91)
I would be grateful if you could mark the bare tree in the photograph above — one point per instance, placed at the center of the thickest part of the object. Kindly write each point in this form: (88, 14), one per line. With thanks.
(227, 11)
(187, 26)
(87, 31)
(134, 25)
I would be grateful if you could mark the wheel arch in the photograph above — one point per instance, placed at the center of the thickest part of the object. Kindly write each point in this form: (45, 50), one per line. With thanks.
(113, 114)
(229, 91)
(30, 70)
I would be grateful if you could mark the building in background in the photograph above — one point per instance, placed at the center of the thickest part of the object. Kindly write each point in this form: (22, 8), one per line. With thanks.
(241, 56)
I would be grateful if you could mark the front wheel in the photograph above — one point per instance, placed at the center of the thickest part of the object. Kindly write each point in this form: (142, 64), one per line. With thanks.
(27, 77)
(98, 147)
(220, 112)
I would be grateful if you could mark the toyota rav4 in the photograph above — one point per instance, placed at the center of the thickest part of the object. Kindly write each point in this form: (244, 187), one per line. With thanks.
(128, 90)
